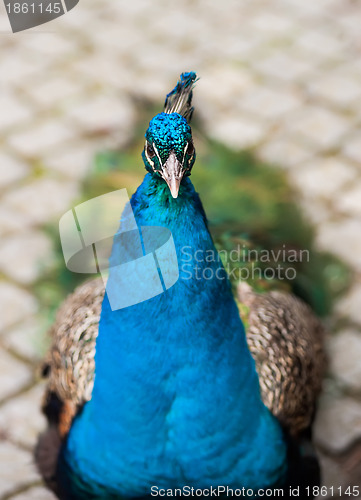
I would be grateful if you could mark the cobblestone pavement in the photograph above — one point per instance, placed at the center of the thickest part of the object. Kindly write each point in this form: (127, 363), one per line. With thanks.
(283, 77)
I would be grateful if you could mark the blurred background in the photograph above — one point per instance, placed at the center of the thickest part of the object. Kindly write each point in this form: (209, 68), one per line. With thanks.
(277, 131)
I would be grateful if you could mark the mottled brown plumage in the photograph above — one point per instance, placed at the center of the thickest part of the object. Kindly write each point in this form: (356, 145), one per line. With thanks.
(71, 357)
(70, 369)
(286, 341)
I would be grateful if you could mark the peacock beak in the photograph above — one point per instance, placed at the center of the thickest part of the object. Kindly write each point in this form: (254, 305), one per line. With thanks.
(172, 173)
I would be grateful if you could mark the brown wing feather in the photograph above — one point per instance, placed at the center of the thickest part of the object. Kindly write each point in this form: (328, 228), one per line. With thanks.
(70, 369)
(286, 341)
(71, 356)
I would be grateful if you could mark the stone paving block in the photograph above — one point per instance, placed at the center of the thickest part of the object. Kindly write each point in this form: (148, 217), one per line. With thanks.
(285, 65)
(345, 355)
(321, 127)
(348, 20)
(157, 59)
(342, 238)
(11, 169)
(24, 257)
(14, 374)
(49, 93)
(74, 161)
(332, 473)
(316, 211)
(17, 67)
(133, 12)
(349, 305)
(351, 66)
(173, 25)
(107, 72)
(42, 200)
(119, 41)
(240, 49)
(284, 151)
(15, 304)
(338, 423)
(29, 339)
(13, 110)
(231, 81)
(303, 10)
(324, 178)
(42, 137)
(349, 202)
(271, 22)
(328, 45)
(352, 147)
(4, 24)
(37, 493)
(104, 112)
(340, 89)
(75, 21)
(21, 419)
(238, 133)
(269, 104)
(17, 468)
(10, 221)
(52, 45)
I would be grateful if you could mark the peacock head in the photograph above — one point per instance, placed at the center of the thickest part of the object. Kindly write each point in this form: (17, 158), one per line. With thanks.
(169, 150)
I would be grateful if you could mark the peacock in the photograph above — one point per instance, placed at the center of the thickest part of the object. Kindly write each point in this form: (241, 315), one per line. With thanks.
(178, 391)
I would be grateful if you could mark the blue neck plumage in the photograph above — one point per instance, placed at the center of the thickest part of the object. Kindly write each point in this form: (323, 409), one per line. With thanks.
(174, 376)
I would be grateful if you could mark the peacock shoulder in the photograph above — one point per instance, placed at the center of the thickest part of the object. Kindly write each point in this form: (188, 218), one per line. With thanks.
(286, 340)
(70, 361)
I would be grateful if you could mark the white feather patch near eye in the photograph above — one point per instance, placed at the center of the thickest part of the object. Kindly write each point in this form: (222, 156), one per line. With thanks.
(156, 152)
(150, 161)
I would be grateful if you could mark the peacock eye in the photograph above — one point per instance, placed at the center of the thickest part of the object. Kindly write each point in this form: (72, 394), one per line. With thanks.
(190, 149)
(150, 150)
